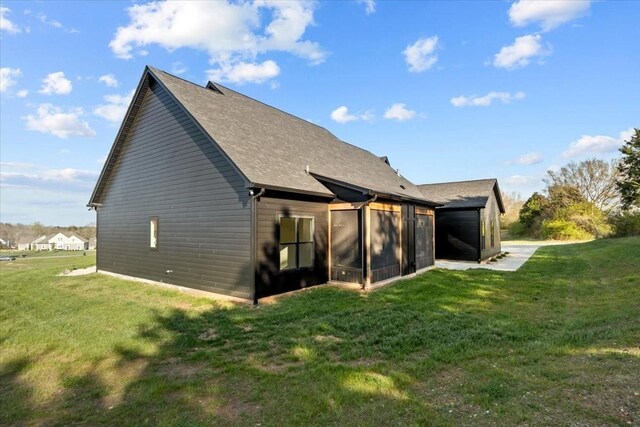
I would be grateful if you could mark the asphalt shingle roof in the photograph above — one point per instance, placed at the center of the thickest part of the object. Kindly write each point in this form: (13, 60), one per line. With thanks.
(273, 148)
(462, 194)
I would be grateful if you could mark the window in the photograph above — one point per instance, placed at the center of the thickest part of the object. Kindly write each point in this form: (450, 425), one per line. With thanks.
(296, 242)
(153, 232)
(493, 233)
(483, 232)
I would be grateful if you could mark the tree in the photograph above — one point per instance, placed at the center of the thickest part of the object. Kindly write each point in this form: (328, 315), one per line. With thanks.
(512, 205)
(594, 179)
(531, 212)
(629, 172)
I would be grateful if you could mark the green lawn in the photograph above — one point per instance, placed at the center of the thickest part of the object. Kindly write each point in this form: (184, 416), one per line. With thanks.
(555, 343)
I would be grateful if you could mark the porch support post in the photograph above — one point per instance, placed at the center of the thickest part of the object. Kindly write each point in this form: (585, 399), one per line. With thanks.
(366, 224)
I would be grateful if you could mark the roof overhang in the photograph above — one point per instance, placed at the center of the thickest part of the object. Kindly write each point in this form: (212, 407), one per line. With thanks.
(373, 191)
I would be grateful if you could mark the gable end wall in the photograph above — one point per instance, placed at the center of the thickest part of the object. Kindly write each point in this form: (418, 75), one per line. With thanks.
(168, 169)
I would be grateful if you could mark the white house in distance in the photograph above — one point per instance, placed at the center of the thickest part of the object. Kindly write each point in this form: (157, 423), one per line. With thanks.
(58, 241)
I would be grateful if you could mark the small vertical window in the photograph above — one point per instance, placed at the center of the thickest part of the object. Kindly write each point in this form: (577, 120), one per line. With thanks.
(296, 242)
(493, 233)
(153, 232)
(483, 234)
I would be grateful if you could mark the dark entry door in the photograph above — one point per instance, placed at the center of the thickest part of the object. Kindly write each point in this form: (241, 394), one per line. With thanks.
(408, 239)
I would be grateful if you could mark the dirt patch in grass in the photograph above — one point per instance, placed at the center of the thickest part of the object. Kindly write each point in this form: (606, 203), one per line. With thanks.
(179, 369)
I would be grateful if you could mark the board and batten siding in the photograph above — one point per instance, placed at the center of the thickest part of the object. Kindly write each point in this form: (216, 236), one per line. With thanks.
(168, 169)
(269, 279)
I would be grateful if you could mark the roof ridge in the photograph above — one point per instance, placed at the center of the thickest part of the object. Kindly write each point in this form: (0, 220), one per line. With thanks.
(241, 94)
(459, 182)
(274, 108)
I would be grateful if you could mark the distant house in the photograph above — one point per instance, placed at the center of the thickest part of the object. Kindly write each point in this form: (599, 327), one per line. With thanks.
(24, 243)
(209, 189)
(92, 243)
(42, 243)
(73, 242)
(56, 241)
(468, 222)
(4, 244)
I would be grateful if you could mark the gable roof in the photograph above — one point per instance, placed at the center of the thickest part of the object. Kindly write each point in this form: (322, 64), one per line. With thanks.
(269, 147)
(463, 194)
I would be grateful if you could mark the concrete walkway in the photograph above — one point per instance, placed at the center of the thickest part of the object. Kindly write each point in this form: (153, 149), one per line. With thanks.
(519, 253)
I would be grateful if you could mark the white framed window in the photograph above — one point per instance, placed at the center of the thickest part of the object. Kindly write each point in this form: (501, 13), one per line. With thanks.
(296, 242)
(153, 232)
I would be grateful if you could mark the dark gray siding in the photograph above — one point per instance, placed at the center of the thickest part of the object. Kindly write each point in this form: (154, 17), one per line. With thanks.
(491, 213)
(269, 279)
(168, 169)
(457, 234)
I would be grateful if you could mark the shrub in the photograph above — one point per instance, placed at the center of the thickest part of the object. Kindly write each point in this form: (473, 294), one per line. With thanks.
(562, 229)
(626, 224)
(515, 229)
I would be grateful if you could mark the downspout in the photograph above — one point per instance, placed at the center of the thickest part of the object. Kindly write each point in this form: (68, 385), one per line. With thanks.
(255, 198)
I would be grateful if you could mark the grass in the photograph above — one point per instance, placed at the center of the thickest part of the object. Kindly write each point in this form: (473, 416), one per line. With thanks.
(555, 343)
(40, 254)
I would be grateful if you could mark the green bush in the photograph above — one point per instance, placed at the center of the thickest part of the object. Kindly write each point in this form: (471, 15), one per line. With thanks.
(626, 224)
(562, 229)
(515, 229)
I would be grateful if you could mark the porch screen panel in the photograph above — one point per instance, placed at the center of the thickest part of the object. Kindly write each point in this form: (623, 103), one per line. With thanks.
(385, 241)
(346, 246)
(424, 241)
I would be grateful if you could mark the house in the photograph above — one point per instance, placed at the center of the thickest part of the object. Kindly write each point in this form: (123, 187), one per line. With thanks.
(73, 242)
(24, 243)
(468, 222)
(209, 189)
(42, 243)
(67, 241)
(92, 243)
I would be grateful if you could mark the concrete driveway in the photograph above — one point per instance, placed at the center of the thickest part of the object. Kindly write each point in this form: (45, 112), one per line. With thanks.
(519, 253)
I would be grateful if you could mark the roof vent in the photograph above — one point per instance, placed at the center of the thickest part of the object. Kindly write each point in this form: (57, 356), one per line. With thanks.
(307, 169)
(403, 187)
(214, 88)
(398, 172)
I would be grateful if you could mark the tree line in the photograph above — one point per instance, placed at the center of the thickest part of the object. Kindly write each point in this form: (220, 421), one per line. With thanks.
(584, 200)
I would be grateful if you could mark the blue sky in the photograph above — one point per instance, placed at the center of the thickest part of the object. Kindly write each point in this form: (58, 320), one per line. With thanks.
(448, 90)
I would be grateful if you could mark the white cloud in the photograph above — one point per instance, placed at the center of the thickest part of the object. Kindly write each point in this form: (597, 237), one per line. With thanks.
(8, 77)
(486, 100)
(55, 121)
(109, 80)
(6, 24)
(341, 115)
(420, 55)
(399, 112)
(178, 68)
(520, 53)
(115, 108)
(370, 6)
(22, 93)
(527, 159)
(231, 32)
(549, 14)
(52, 22)
(591, 144)
(245, 72)
(56, 83)
(50, 178)
(520, 180)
